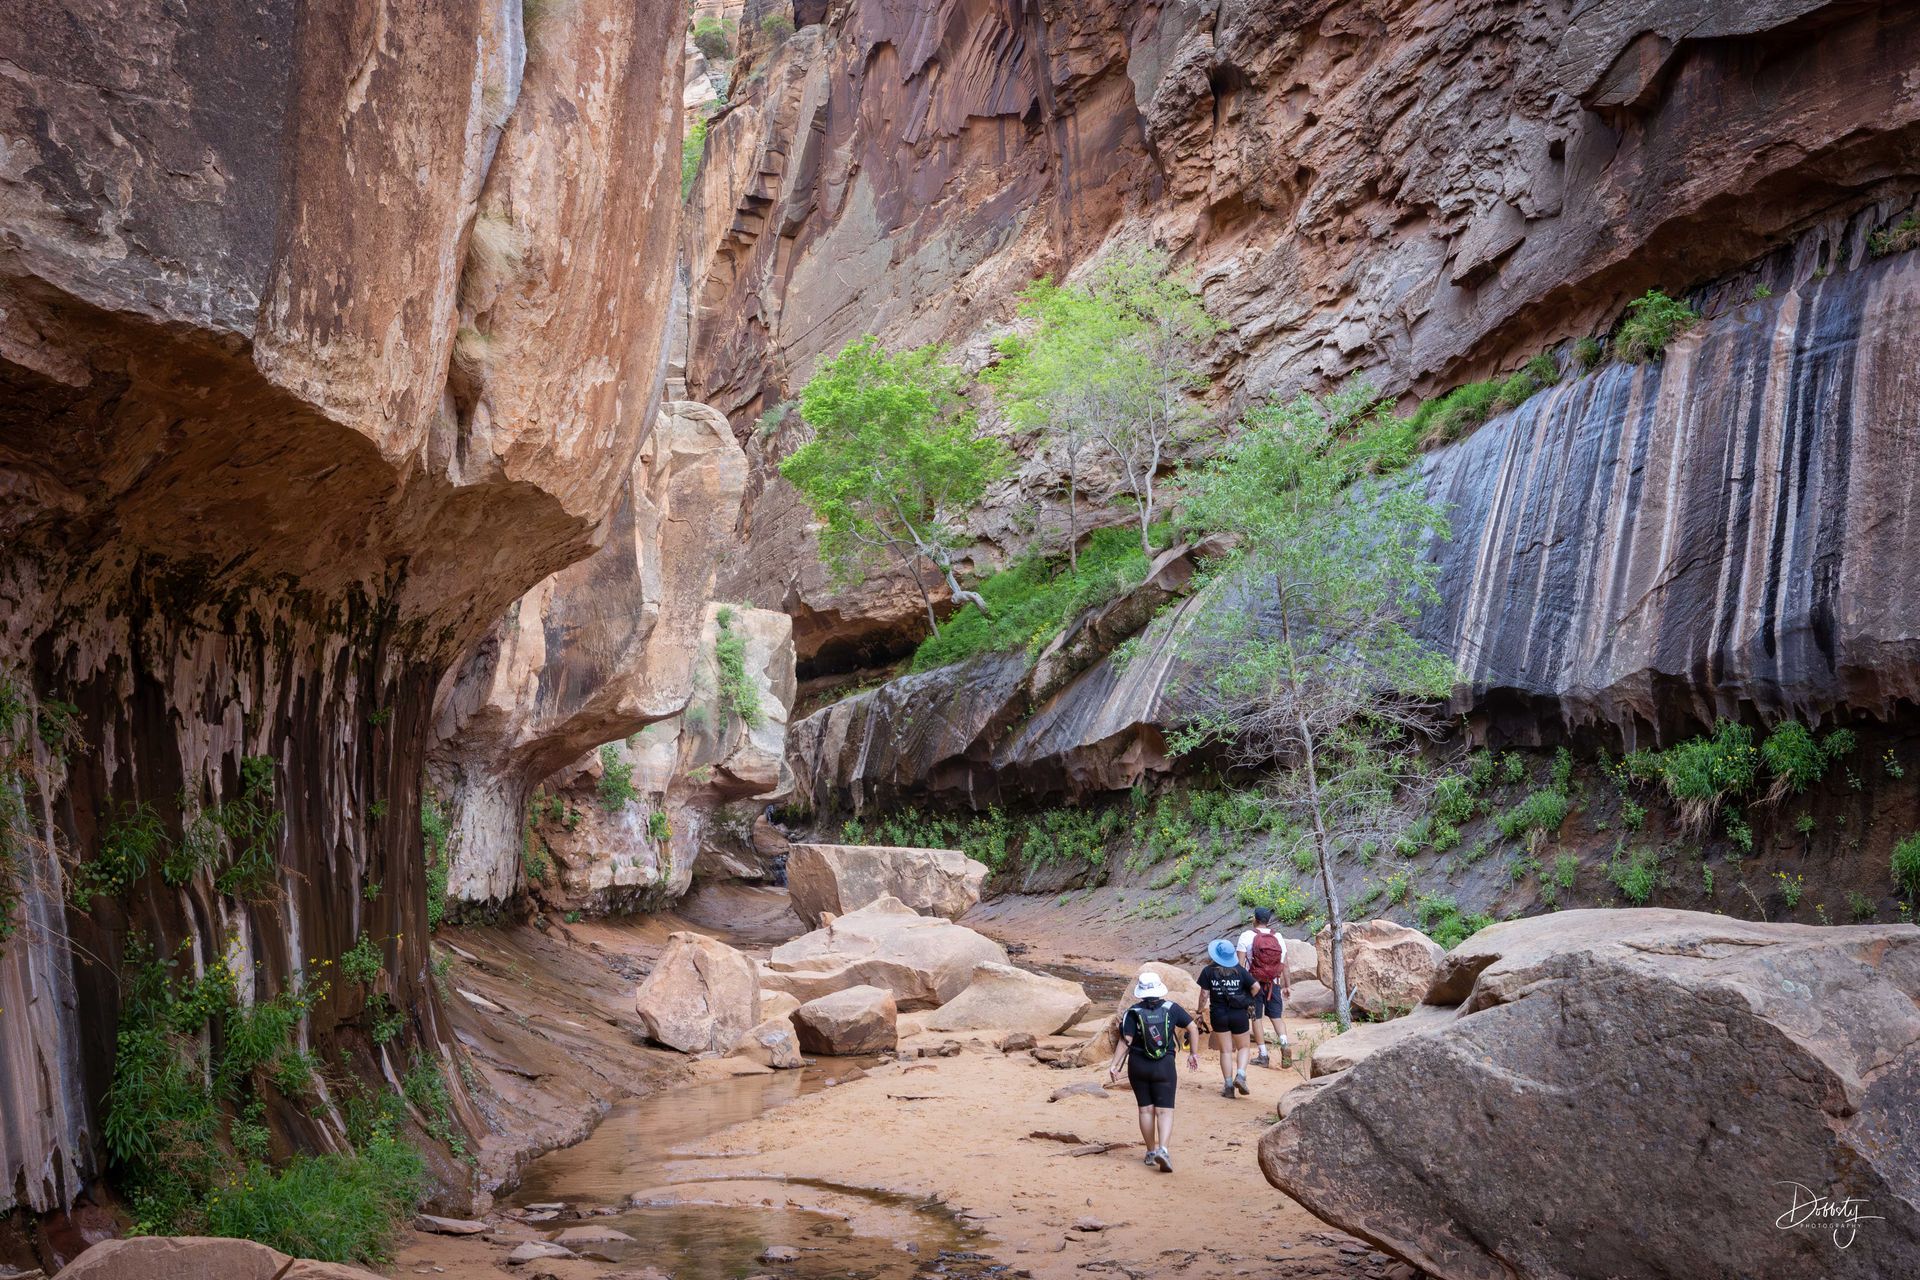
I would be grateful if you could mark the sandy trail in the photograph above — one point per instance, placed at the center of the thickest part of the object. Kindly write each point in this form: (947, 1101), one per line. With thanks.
(962, 1130)
(977, 1133)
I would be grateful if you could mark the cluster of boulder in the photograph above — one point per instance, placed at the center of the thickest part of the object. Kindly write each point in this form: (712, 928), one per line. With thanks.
(1607, 1093)
(887, 944)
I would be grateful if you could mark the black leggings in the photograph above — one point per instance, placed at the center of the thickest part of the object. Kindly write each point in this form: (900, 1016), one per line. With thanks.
(1153, 1079)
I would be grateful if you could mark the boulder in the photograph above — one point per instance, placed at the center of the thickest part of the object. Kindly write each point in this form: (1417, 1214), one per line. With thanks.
(1634, 1093)
(197, 1258)
(842, 878)
(776, 1004)
(1009, 999)
(535, 1250)
(1389, 966)
(772, 1044)
(856, 1020)
(923, 960)
(1364, 1039)
(1310, 999)
(701, 997)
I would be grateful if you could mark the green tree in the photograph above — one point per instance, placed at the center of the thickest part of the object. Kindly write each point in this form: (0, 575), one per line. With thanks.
(1324, 673)
(1112, 362)
(894, 460)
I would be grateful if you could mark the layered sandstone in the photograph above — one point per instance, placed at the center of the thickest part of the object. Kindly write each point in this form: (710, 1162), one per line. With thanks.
(1418, 194)
(1641, 550)
(323, 336)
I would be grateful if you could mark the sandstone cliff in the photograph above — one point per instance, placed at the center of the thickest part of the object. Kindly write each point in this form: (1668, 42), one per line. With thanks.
(325, 333)
(1417, 193)
(1639, 550)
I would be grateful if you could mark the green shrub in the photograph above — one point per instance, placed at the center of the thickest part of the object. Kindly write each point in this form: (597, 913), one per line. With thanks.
(1454, 414)
(1794, 757)
(1653, 320)
(1906, 865)
(1861, 907)
(1587, 354)
(712, 38)
(693, 149)
(1441, 920)
(1566, 869)
(778, 26)
(332, 1208)
(1542, 811)
(1480, 769)
(1276, 890)
(1513, 768)
(1031, 601)
(1701, 773)
(1636, 875)
(436, 834)
(1543, 369)
(131, 844)
(1898, 238)
(615, 788)
(1453, 800)
(659, 826)
(362, 962)
(738, 693)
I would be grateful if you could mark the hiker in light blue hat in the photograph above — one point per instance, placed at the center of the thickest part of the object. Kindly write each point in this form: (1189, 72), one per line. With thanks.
(1226, 996)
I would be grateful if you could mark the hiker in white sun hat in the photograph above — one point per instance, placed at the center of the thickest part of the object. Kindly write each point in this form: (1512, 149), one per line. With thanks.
(1149, 1035)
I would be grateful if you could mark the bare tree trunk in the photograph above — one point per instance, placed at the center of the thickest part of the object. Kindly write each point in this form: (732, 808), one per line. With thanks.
(1073, 508)
(913, 569)
(1342, 998)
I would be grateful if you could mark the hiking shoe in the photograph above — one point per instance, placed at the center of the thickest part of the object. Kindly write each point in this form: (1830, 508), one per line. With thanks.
(1286, 1055)
(1263, 1060)
(1240, 1083)
(1160, 1158)
(1226, 1090)
(1148, 1158)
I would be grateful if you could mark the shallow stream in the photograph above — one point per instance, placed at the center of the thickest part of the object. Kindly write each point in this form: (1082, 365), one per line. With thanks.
(696, 1226)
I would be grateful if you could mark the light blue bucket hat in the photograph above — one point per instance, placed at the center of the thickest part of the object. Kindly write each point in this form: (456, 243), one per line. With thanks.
(1221, 952)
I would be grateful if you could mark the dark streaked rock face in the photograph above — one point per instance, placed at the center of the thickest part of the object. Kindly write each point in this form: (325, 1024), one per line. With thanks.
(1726, 530)
(247, 510)
(1639, 550)
(1633, 1092)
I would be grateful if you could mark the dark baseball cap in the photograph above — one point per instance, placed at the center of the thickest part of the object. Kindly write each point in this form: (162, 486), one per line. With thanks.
(1262, 915)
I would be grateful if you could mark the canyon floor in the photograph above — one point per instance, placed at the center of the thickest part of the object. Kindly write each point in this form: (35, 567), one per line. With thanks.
(875, 1168)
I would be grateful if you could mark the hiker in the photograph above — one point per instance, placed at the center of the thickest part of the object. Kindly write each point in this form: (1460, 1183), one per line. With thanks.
(1263, 952)
(1226, 996)
(1149, 1034)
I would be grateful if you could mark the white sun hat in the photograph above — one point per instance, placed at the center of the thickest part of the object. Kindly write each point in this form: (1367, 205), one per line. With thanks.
(1148, 985)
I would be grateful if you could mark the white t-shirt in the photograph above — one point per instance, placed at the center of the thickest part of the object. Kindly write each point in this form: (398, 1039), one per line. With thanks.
(1246, 945)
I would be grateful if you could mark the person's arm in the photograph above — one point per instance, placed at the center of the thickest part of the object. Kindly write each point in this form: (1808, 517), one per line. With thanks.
(1193, 1043)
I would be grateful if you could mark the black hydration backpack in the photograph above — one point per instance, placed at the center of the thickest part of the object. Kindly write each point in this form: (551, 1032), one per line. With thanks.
(1156, 1041)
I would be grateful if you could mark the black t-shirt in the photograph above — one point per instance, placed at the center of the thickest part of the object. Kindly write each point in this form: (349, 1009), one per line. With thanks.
(1227, 987)
(1136, 1034)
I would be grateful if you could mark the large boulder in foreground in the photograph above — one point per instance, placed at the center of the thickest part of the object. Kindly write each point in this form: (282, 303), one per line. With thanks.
(1004, 998)
(198, 1258)
(838, 879)
(701, 997)
(1389, 966)
(923, 960)
(1634, 1093)
(857, 1020)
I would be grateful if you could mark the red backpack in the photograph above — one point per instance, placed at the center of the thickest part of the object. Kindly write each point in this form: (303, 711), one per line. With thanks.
(1268, 956)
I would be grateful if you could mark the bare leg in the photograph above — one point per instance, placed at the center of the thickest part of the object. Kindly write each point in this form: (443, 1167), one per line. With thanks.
(1146, 1127)
(1245, 1053)
(1223, 1041)
(1162, 1126)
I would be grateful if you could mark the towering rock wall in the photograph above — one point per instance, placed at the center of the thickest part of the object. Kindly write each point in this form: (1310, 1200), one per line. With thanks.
(325, 332)
(1642, 550)
(1412, 191)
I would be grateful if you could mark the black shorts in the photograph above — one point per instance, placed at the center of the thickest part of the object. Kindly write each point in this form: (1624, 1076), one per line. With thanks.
(1153, 1079)
(1267, 1004)
(1234, 1020)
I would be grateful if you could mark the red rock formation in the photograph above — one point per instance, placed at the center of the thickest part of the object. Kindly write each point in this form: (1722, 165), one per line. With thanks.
(1418, 192)
(249, 513)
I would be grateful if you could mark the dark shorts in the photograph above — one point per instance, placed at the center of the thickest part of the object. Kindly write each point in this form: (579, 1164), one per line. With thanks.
(1267, 1005)
(1235, 1020)
(1153, 1080)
